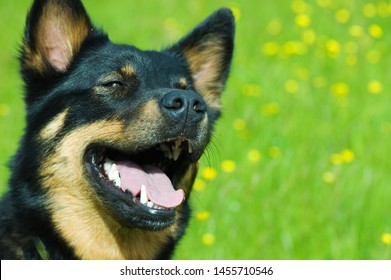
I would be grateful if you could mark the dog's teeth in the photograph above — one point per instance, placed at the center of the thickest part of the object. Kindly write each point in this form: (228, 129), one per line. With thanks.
(107, 165)
(143, 195)
(150, 204)
(190, 147)
(176, 153)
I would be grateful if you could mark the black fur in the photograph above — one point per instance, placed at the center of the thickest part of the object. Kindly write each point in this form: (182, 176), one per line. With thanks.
(67, 92)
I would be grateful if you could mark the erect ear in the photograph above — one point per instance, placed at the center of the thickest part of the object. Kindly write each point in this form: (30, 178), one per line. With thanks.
(55, 31)
(208, 51)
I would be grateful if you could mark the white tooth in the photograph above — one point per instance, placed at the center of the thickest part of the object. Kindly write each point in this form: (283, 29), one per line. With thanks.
(107, 165)
(176, 153)
(143, 195)
(150, 204)
(190, 147)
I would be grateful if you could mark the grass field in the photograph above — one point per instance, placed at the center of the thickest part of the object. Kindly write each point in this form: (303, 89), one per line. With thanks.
(300, 166)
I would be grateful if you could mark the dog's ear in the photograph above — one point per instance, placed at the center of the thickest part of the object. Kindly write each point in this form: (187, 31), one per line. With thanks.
(208, 52)
(55, 31)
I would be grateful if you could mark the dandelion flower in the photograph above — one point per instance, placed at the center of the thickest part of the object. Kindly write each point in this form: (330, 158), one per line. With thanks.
(369, 10)
(199, 185)
(274, 27)
(375, 31)
(274, 152)
(336, 159)
(228, 166)
(4, 110)
(291, 86)
(375, 87)
(342, 15)
(271, 109)
(208, 239)
(236, 12)
(209, 173)
(270, 48)
(308, 36)
(254, 155)
(202, 215)
(333, 47)
(299, 6)
(356, 31)
(386, 238)
(340, 89)
(329, 177)
(347, 156)
(239, 124)
(303, 20)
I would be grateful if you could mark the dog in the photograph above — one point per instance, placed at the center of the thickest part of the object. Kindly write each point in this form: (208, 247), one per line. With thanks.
(113, 137)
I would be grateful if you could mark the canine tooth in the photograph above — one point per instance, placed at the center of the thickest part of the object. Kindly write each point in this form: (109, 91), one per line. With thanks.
(176, 153)
(150, 204)
(190, 147)
(143, 195)
(107, 165)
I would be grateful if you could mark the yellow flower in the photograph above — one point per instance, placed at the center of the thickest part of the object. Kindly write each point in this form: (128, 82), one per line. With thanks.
(170, 24)
(254, 155)
(356, 31)
(271, 109)
(329, 177)
(208, 239)
(323, 3)
(308, 36)
(274, 27)
(251, 90)
(291, 86)
(336, 159)
(319, 82)
(299, 6)
(347, 155)
(4, 110)
(342, 15)
(202, 215)
(199, 185)
(270, 48)
(369, 10)
(340, 89)
(386, 238)
(375, 87)
(333, 48)
(239, 124)
(295, 47)
(274, 152)
(228, 166)
(236, 11)
(375, 31)
(302, 20)
(209, 173)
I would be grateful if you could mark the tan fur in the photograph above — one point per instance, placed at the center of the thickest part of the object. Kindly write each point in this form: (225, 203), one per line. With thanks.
(182, 83)
(52, 128)
(127, 71)
(58, 36)
(77, 213)
(206, 62)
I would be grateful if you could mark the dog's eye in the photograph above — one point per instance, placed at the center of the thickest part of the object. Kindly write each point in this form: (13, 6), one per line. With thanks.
(114, 84)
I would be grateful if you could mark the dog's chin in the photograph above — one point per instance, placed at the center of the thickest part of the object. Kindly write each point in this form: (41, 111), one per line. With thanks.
(139, 189)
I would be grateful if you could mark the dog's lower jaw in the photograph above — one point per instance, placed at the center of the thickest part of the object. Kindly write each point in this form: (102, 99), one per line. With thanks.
(101, 238)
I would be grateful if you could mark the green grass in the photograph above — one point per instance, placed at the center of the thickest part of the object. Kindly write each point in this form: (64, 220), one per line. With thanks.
(301, 155)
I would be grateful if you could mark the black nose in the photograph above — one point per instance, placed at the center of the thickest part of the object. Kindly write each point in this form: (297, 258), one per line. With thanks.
(184, 105)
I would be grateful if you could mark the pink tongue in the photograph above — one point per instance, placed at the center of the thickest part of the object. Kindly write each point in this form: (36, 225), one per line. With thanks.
(159, 188)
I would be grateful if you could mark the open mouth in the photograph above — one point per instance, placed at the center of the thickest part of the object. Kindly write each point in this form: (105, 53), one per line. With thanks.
(145, 181)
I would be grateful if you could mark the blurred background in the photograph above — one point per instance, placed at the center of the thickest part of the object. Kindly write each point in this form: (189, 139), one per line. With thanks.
(300, 165)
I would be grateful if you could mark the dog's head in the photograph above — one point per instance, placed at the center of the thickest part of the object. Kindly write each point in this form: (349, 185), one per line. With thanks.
(118, 129)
